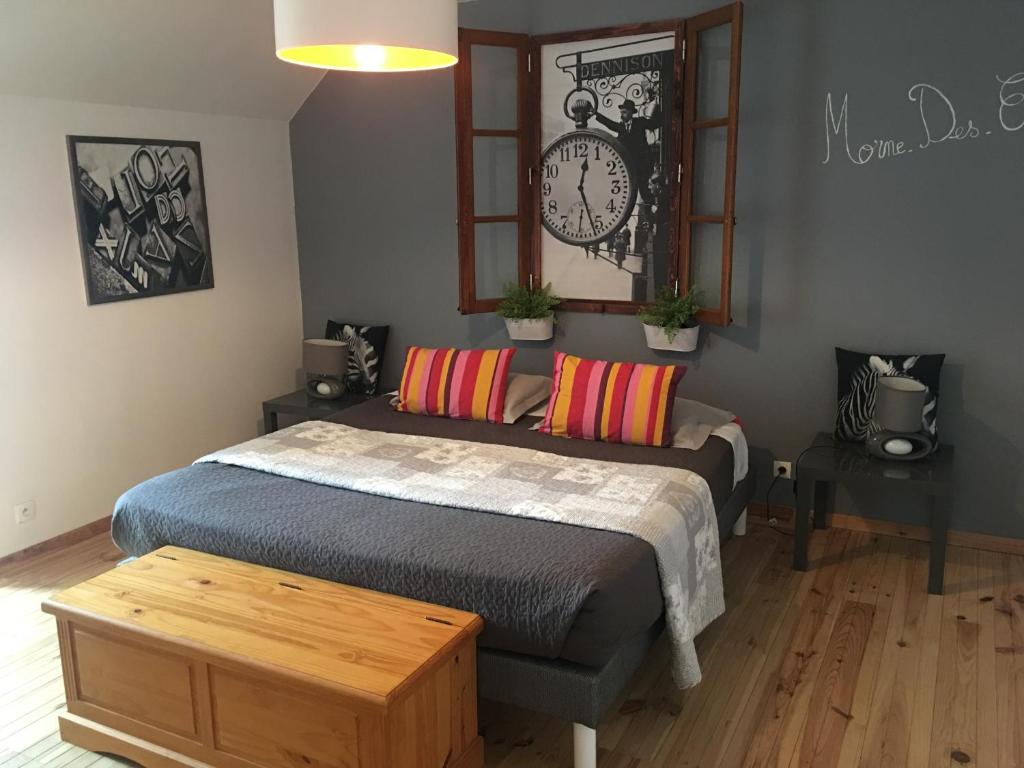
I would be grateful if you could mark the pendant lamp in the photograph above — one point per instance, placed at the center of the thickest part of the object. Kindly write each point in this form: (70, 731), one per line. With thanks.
(367, 35)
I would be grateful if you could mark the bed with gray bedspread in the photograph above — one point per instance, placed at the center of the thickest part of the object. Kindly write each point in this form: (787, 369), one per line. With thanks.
(546, 591)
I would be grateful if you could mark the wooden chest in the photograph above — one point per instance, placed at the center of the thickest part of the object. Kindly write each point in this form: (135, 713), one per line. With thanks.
(184, 658)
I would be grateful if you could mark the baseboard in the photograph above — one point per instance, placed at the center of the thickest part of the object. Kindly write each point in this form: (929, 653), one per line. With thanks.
(989, 543)
(66, 539)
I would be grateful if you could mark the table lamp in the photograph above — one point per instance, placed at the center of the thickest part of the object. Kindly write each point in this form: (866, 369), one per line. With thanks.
(896, 426)
(326, 363)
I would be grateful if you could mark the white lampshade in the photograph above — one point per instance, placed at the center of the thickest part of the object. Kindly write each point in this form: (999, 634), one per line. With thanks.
(368, 35)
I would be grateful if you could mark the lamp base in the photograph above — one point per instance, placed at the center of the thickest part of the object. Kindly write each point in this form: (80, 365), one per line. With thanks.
(900, 446)
(325, 389)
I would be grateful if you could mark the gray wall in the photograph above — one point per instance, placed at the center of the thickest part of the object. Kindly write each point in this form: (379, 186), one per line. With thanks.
(918, 253)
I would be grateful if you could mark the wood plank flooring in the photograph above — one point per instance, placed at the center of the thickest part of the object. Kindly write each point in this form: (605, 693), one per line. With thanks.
(850, 664)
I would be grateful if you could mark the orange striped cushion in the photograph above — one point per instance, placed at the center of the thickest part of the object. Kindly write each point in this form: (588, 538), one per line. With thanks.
(458, 383)
(613, 402)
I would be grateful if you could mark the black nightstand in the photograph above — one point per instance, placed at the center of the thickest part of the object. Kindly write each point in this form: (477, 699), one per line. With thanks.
(829, 462)
(307, 408)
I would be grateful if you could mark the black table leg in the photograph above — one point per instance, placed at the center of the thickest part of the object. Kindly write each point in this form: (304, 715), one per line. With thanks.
(802, 524)
(269, 420)
(937, 558)
(824, 502)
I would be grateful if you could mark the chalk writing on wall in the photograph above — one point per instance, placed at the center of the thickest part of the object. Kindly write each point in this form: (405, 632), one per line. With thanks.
(939, 123)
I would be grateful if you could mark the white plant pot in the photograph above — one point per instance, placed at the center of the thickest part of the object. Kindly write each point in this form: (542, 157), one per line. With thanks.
(540, 329)
(685, 339)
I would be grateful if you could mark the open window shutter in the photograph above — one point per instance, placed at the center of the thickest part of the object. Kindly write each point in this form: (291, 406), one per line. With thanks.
(710, 119)
(494, 151)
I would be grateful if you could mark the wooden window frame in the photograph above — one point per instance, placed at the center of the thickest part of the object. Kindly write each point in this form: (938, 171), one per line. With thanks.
(730, 14)
(528, 133)
(465, 132)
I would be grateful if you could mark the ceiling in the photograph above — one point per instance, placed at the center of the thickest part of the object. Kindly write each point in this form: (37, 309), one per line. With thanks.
(211, 56)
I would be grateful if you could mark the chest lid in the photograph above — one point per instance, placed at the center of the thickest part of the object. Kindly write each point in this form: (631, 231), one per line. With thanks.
(366, 643)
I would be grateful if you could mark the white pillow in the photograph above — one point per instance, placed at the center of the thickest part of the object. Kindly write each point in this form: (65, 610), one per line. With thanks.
(523, 393)
(693, 422)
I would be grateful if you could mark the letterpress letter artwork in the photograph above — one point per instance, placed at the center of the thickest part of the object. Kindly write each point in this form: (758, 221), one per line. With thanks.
(142, 220)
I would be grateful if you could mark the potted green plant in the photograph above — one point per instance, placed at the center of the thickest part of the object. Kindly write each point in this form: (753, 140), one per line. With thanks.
(669, 321)
(529, 314)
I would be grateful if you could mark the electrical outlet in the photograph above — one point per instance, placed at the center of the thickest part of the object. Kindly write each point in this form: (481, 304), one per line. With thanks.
(782, 469)
(24, 512)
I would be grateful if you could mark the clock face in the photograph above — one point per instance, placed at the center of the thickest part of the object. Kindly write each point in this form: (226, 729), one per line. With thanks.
(587, 191)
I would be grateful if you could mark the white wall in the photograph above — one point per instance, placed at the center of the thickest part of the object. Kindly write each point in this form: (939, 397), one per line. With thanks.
(96, 399)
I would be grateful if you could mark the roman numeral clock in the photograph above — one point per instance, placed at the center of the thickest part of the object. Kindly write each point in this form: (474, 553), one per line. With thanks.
(587, 190)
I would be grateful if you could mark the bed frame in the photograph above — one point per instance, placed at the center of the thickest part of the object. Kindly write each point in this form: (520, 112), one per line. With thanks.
(577, 693)
(580, 694)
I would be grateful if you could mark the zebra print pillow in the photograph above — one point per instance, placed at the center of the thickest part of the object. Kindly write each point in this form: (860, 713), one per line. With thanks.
(365, 353)
(858, 378)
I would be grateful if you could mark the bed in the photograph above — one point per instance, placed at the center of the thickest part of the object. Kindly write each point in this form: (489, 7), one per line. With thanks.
(570, 612)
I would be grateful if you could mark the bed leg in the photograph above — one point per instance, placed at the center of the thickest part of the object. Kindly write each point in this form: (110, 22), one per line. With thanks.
(739, 528)
(584, 746)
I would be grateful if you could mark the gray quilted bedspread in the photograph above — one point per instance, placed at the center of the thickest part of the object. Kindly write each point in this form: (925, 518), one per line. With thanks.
(543, 588)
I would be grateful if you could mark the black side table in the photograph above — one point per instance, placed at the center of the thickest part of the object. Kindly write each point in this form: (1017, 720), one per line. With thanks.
(829, 462)
(307, 408)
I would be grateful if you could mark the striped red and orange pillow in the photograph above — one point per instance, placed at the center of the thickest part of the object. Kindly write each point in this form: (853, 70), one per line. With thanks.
(613, 402)
(458, 383)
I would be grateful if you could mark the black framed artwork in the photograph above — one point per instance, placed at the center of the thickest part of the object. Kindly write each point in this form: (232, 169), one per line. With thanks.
(142, 217)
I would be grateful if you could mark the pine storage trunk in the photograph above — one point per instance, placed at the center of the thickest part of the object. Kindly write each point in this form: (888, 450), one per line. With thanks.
(186, 659)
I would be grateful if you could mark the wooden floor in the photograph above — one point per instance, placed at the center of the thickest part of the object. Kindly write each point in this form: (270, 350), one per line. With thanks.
(849, 664)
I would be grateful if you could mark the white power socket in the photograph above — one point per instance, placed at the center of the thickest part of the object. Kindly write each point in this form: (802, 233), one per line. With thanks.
(24, 512)
(782, 469)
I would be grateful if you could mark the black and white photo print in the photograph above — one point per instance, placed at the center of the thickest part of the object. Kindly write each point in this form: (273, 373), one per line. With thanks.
(609, 140)
(366, 344)
(142, 220)
(858, 383)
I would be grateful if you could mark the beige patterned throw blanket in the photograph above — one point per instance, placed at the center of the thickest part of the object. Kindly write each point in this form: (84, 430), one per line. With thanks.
(669, 508)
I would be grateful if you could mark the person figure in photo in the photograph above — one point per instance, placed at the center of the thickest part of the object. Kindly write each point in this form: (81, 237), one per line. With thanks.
(631, 129)
(621, 246)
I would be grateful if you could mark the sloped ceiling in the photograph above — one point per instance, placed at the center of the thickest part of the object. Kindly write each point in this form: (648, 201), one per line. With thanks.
(211, 56)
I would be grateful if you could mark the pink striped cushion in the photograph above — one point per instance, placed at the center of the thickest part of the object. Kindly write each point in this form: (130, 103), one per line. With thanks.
(458, 383)
(613, 402)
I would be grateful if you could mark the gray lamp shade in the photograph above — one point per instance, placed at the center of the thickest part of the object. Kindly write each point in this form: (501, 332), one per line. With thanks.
(325, 357)
(899, 403)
